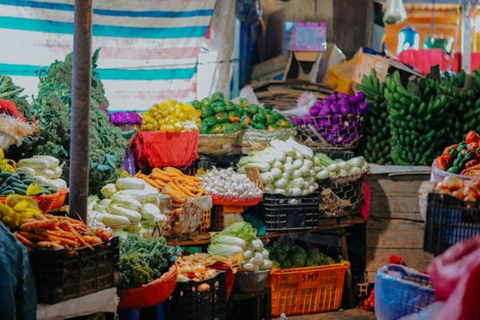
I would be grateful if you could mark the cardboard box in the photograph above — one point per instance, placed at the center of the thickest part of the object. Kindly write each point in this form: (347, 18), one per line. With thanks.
(272, 69)
(305, 36)
(303, 65)
(339, 77)
(383, 67)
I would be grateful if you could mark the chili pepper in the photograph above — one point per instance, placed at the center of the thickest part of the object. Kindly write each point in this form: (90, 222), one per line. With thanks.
(441, 163)
(448, 158)
(234, 119)
(472, 136)
(471, 163)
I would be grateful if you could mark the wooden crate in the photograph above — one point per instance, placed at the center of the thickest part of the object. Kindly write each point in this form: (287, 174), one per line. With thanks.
(395, 225)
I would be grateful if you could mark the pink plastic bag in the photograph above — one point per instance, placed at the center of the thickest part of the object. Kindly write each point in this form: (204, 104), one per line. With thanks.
(456, 279)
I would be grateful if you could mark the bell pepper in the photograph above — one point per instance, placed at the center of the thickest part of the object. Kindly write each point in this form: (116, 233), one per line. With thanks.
(210, 121)
(230, 106)
(252, 109)
(204, 128)
(448, 150)
(206, 111)
(440, 163)
(236, 126)
(206, 102)
(221, 117)
(218, 106)
(277, 115)
(471, 163)
(259, 126)
(272, 127)
(243, 102)
(234, 119)
(472, 136)
(218, 96)
(282, 123)
(227, 128)
(245, 121)
(216, 129)
(197, 104)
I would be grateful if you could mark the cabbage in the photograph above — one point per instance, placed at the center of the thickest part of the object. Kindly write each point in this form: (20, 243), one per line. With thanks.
(224, 249)
(109, 190)
(243, 230)
(230, 240)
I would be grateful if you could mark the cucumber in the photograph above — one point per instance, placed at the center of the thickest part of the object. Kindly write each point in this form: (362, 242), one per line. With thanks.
(19, 185)
(5, 175)
(22, 175)
(19, 191)
(28, 181)
(7, 192)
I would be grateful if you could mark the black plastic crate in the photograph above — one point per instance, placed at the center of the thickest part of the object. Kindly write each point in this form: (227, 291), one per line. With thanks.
(190, 302)
(449, 221)
(65, 274)
(291, 213)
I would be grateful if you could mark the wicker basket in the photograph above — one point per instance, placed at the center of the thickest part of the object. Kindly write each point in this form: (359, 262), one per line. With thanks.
(218, 144)
(259, 139)
(323, 132)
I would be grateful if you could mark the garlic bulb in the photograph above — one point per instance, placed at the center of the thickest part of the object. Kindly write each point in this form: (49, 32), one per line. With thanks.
(228, 183)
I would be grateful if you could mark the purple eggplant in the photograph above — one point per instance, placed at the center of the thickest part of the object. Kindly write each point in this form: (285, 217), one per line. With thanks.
(361, 96)
(309, 120)
(362, 107)
(324, 111)
(314, 110)
(345, 108)
(334, 108)
(324, 122)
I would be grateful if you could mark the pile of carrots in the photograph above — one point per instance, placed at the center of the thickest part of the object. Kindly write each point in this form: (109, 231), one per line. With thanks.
(58, 232)
(174, 183)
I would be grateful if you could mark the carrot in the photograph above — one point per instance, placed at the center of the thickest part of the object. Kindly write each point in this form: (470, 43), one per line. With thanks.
(138, 174)
(177, 189)
(33, 236)
(174, 170)
(61, 240)
(92, 239)
(61, 234)
(79, 237)
(38, 224)
(50, 245)
(199, 193)
(185, 190)
(151, 182)
(24, 240)
(160, 176)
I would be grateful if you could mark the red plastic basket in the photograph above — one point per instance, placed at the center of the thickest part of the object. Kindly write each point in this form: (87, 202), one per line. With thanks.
(231, 273)
(45, 202)
(62, 196)
(150, 294)
(218, 200)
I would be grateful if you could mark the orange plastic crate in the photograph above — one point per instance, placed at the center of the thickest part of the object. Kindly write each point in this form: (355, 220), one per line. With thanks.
(307, 290)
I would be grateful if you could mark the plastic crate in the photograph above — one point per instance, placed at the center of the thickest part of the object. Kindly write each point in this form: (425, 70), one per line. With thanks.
(189, 302)
(291, 213)
(249, 282)
(307, 290)
(400, 291)
(65, 274)
(205, 222)
(449, 221)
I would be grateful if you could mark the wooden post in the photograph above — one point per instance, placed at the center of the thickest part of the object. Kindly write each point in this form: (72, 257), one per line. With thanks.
(79, 143)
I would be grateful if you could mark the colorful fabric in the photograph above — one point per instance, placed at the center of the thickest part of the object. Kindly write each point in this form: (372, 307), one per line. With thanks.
(155, 40)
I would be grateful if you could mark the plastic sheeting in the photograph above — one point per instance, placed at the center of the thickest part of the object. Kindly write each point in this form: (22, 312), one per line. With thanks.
(18, 296)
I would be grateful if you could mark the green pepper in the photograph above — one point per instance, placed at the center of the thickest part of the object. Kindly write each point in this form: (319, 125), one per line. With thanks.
(277, 115)
(204, 128)
(230, 106)
(236, 126)
(462, 146)
(218, 106)
(221, 117)
(262, 115)
(283, 123)
(206, 102)
(270, 119)
(470, 155)
(227, 128)
(206, 111)
(216, 129)
(272, 127)
(197, 104)
(218, 96)
(259, 126)
(210, 121)
(245, 121)
(243, 102)
(252, 109)
(454, 169)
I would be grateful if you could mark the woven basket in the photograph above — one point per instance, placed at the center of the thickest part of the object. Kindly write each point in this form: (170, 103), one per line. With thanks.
(259, 139)
(218, 144)
(322, 132)
(45, 202)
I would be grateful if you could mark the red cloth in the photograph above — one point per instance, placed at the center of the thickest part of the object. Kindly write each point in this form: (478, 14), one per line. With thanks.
(456, 278)
(423, 60)
(365, 210)
(162, 149)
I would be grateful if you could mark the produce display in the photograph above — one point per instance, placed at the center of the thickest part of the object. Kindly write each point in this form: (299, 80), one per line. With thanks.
(44, 170)
(415, 114)
(337, 118)
(196, 266)
(220, 116)
(375, 145)
(466, 190)
(333, 169)
(143, 261)
(240, 240)
(57, 233)
(462, 158)
(130, 204)
(226, 183)
(16, 209)
(288, 255)
(286, 167)
(52, 113)
(174, 183)
(171, 116)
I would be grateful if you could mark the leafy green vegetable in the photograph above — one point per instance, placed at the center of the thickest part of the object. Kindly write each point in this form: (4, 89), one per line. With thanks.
(52, 108)
(10, 91)
(142, 261)
(243, 230)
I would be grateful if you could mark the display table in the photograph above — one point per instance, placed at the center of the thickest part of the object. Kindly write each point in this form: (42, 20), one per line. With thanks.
(102, 301)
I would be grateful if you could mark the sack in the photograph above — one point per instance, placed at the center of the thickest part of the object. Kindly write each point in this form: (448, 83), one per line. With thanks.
(395, 12)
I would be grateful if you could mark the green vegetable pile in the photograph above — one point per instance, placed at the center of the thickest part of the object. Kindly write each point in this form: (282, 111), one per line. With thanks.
(10, 91)
(220, 116)
(143, 261)
(287, 255)
(375, 145)
(52, 111)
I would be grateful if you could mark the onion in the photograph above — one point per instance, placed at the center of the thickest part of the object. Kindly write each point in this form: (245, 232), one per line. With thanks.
(452, 183)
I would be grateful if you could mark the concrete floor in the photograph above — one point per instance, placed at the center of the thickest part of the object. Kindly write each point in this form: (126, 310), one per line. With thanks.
(350, 314)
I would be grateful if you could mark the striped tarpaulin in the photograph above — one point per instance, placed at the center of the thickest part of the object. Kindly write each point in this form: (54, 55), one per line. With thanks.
(140, 40)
